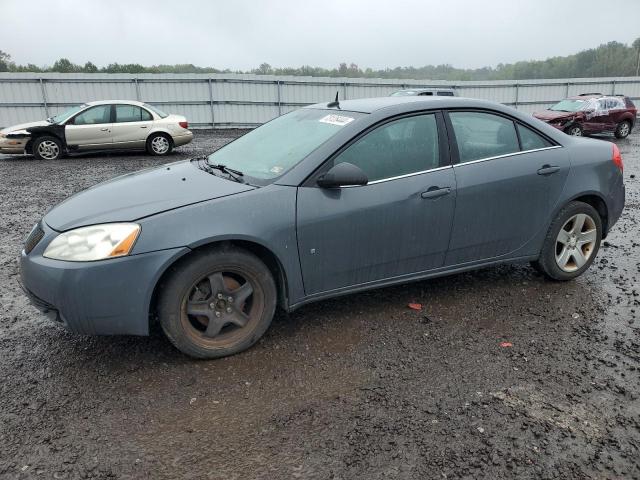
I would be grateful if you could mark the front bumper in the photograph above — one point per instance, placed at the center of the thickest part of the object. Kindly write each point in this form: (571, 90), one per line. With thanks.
(11, 150)
(109, 297)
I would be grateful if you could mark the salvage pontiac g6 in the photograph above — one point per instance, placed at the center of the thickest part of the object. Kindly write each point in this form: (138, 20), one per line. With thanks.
(323, 201)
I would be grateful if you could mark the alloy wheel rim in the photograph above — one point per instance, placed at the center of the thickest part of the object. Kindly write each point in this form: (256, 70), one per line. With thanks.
(160, 145)
(624, 129)
(221, 307)
(576, 132)
(576, 242)
(48, 150)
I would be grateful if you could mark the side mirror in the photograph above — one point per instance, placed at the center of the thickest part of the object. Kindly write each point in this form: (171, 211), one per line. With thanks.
(343, 175)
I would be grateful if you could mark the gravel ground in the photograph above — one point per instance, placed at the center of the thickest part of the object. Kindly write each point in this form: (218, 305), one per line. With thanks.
(357, 387)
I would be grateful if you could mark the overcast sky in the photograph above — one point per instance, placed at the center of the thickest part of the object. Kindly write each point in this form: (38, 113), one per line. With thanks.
(241, 34)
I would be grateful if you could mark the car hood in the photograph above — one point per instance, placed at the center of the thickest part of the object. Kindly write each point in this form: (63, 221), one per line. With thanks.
(23, 126)
(141, 194)
(549, 115)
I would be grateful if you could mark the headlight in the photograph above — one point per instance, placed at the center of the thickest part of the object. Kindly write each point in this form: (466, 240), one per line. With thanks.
(96, 242)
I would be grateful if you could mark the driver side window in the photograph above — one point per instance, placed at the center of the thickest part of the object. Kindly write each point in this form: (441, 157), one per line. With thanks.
(93, 116)
(401, 147)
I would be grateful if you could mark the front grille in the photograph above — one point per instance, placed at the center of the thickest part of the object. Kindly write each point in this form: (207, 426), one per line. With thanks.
(34, 237)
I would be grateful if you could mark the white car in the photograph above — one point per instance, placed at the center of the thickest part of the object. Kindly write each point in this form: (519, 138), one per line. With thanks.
(101, 125)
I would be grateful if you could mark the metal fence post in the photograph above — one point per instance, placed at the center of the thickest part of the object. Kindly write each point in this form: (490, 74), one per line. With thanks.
(344, 93)
(567, 92)
(44, 98)
(135, 80)
(213, 117)
(517, 95)
(279, 84)
(613, 87)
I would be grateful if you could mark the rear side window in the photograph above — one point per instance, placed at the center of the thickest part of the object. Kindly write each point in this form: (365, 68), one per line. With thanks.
(483, 135)
(445, 94)
(404, 146)
(530, 140)
(131, 113)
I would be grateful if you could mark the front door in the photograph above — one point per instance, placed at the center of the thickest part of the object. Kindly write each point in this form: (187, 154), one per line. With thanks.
(509, 179)
(397, 224)
(90, 129)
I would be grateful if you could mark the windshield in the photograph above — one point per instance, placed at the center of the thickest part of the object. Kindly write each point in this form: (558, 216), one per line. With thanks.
(156, 110)
(61, 117)
(569, 106)
(270, 150)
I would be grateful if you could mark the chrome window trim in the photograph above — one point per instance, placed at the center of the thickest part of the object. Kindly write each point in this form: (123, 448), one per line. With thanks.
(506, 155)
(406, 175)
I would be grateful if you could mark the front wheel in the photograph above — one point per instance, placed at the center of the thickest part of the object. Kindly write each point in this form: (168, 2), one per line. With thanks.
(217, 303)
(574, 130)
(159, 144)
(47, 148)
(623, 129)
(572, 242)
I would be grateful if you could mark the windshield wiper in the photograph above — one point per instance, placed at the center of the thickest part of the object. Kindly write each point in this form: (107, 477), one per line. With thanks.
(235, 174)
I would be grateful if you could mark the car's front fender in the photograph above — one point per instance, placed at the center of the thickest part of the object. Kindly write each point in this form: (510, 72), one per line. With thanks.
(265, 217)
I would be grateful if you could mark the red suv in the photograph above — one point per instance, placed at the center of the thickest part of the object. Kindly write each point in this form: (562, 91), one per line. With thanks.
(592, 113)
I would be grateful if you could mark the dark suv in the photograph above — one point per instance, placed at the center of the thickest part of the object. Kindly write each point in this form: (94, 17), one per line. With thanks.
(592, 113)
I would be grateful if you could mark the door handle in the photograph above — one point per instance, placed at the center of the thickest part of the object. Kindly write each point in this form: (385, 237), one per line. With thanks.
(104, 129)
(143, 126)
(435, 192)
(548, 169)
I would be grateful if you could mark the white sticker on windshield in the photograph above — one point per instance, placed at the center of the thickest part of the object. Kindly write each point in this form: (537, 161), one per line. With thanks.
(339, 120)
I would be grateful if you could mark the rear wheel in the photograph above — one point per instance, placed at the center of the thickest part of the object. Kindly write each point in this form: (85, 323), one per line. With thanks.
(572, 242)
(159, 144)
(217, 303)
(574, 130)
(47, 148)
(623, 129)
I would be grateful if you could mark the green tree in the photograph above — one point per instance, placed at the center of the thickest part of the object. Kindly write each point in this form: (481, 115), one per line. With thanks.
(264, 69)
(64, 65)
(5, 62)
(636, 45)
(89, 68)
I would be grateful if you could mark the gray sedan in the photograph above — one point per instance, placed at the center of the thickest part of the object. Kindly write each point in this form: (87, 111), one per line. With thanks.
(324, 201)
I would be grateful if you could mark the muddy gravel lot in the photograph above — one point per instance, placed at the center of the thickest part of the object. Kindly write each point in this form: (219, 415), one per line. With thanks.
(358, 387)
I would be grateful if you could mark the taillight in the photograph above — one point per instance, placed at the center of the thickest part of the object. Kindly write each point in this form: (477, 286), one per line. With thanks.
(184, 124)
(617, 158)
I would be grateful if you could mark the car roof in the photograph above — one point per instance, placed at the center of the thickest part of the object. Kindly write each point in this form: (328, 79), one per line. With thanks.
(370, 105)
(426, 89)
(588, 96)
(107, 102)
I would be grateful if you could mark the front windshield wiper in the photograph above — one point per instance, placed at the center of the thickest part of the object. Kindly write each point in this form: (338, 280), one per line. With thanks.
(233, 174)
(236, 174)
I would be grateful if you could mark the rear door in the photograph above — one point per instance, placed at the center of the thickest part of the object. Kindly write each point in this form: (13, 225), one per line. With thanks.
(90, 128)
(131, 126)
(509, 178)
(597, 116)
(397, 224)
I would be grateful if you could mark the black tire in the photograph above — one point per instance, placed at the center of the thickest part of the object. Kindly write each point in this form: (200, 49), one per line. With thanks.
(547, 263)
(47, 148)
(623, 129)
(189, 286)
(574, 130)
(159, 144)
